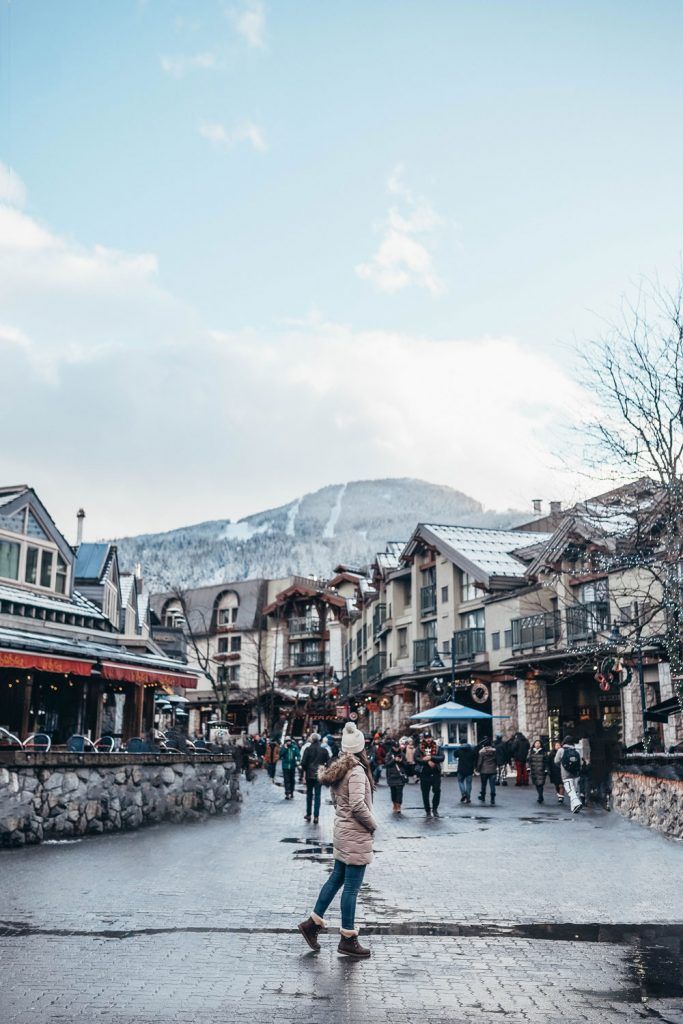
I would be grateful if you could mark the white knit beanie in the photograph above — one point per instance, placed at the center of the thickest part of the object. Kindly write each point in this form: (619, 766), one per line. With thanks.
(353, 740)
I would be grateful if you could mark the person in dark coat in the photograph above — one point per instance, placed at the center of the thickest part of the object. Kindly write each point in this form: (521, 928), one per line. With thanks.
(600, 766)
(289, 757)
(467, 760)
(315, 756)
(502, 760)
(488, 769)
(396, 778)
(519, 749)
(429, 759)
(555, 772)
(537, 763)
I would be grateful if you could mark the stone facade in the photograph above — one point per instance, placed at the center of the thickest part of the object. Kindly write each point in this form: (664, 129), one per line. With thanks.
(504, 703)
(57, 796)
(532, 703)
(652, 800)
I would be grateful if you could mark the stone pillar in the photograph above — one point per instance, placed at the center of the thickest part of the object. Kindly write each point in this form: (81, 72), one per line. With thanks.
(632, 711)
(532, 708)
(673, 730)
(504, 702)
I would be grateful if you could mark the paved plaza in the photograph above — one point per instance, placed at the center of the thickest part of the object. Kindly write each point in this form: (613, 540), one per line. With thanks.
(518, 912)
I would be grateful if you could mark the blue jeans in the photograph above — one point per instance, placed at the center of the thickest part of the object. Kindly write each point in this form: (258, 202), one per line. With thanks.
(465, 783)
(351, 877)
(313, 789)
(492, 783)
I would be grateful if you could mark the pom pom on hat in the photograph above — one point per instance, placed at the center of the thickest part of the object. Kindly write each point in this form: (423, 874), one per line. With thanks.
(353, 740)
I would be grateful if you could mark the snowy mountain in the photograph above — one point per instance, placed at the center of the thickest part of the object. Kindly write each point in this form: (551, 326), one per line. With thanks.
(340, 523)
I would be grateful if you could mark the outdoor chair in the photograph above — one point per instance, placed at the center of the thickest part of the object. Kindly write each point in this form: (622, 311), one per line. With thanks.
(8, 739)
(78, 744)
(136, 745)
(105, 745)
(201, 745)
(38, 741)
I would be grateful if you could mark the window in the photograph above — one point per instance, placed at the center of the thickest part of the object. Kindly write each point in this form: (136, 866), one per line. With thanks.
(429, 576)
(473, 620)
(9, 560)
(507, 638)
(468, 590)
(60, 576)
(46, 569)
(224, 616)
(495, 641)
(235, 643)
(31, 574)
(444, 595)
(447, 648)
(223, 645)
(365, 636)
(234, 674)
(403, 642)
(429, 628)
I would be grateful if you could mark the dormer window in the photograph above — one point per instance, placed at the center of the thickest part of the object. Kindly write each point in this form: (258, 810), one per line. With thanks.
(46, 560)
(31, 573)
(9, 559)
(60, 575)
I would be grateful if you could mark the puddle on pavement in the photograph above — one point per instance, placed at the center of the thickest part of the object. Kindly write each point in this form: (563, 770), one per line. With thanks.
(658, 969)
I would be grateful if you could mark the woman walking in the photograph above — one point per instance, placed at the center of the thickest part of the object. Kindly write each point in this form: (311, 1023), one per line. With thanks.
(556, 773)
(396, 779)
(351, 786)
(537, 768)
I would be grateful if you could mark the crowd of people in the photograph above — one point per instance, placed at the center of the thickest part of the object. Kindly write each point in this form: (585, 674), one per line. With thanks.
(578, 771)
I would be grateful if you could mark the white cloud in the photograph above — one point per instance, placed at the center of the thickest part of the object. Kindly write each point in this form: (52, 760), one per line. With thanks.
(250, 22)
(402, 259)
(12, 188)
(245, 132)
(179, 65)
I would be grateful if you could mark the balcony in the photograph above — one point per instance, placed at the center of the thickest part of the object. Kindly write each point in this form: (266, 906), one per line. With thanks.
(379, 617)
(376, 665)
(304, 627)
(468, 642)
(532, 631)
(585, 620)
(358, 679)
(428, 600)
(307, 659)
(424, 651)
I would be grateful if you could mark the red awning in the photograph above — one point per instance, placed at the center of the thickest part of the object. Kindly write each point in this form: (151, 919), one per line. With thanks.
(132, 674)
(45, 663)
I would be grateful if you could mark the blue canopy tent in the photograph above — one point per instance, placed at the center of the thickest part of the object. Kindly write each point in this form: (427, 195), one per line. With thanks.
(452, 712)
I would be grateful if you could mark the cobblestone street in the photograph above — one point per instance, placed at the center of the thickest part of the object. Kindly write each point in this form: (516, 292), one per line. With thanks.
(518, 912)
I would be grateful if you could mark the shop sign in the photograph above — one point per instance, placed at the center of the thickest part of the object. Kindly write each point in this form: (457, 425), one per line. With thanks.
(372, 706)
(342, 710)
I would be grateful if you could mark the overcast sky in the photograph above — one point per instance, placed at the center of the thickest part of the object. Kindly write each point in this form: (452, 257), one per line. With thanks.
(248, 249)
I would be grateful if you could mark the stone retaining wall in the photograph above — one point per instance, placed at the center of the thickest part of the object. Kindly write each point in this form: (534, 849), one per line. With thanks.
(54, 796)
(650, 794)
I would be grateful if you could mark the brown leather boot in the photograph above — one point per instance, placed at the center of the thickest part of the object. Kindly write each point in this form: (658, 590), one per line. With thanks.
(350, 946)
(310, 930)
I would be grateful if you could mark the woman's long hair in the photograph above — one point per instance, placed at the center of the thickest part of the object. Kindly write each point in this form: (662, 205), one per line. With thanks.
(363, 758)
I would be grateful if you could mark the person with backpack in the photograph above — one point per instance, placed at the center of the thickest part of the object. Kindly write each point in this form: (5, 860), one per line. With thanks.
(555, 773)
(396, 778)
(315, 757)
(569, 760)
(271, 758)
(488, 769)
(537, 762)
(467, 760)
(502, 759)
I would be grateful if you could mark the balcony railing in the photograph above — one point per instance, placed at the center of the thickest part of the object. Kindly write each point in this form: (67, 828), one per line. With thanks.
(428, 600)
(531, 631)
(379, 617)
(376, 665)
(358, 679)
(585, 620)
(424, 651)
(468, 642)
(304, 626)
(307, 659)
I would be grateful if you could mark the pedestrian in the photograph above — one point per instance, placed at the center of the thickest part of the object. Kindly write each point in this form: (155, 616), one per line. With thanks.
(271, 758)
(289, 756)
(331, 746)
(428, 759)
(315, 757)
(555, 772)
(350, 780)
(502, 759)
(537, 763)
(396, 777)
(488, 769)
(519, 749)
(569, 760)
(467, 760)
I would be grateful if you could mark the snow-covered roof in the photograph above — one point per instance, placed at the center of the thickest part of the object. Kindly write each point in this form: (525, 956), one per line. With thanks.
(76, 605)
(390, 558)
(91, 559)
(126, 584)
(484, 553)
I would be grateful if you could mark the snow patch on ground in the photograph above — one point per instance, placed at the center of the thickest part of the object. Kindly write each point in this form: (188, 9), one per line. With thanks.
(292, 513)
(331, 523)
(243, 530)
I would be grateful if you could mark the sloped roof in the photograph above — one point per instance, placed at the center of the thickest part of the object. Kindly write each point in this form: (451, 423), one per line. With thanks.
(390, 558)
(483, 553)
(21, 495)
(126, 583)
(76, 605)
(91, 560)
(201, 603)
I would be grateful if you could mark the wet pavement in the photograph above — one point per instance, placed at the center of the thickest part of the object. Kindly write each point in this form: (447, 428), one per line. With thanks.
(518, 912)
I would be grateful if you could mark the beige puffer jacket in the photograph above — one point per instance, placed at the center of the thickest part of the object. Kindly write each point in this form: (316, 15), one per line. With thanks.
(354, 823)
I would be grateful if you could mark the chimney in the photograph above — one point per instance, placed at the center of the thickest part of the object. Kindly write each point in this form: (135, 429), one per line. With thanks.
(555, 507)
(537, 502)
(138, 571)
(80, 516)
